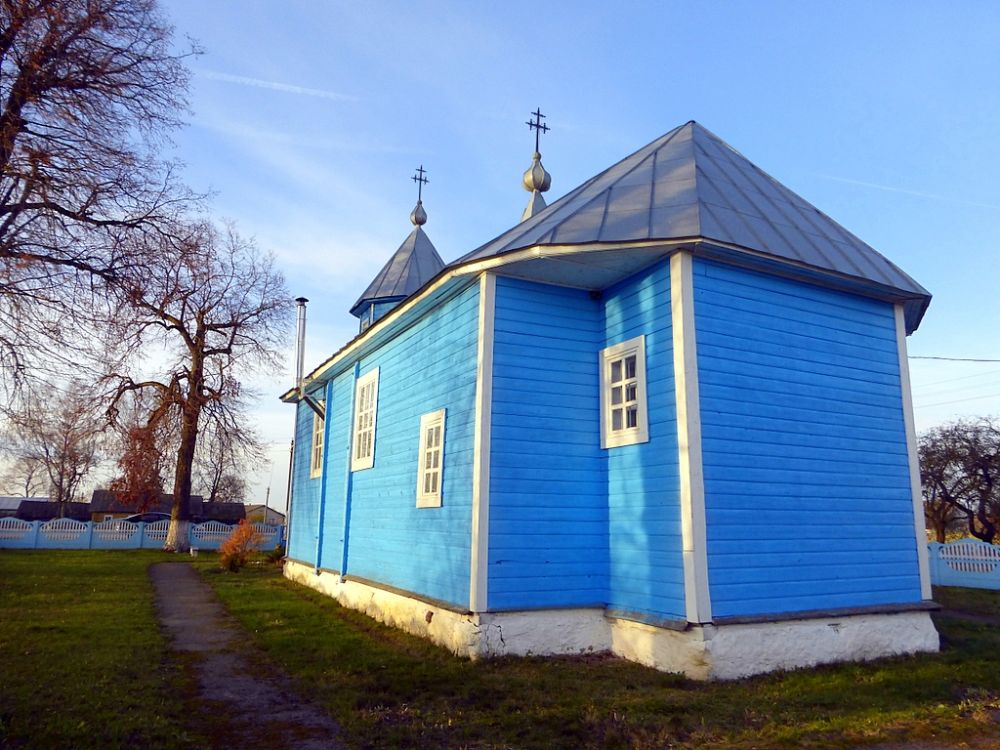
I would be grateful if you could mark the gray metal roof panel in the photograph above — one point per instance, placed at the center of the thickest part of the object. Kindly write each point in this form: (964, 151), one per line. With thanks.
(690, 183)
(414, 264)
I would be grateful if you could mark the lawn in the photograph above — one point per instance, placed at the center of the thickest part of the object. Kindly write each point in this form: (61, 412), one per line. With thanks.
(389, 689)
(82, 660)
(85, 666)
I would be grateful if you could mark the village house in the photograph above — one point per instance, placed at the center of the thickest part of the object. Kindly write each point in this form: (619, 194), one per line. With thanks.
(105, 505)
(660, 417)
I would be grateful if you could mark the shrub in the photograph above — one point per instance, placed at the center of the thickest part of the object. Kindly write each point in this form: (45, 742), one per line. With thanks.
(276, 555)
(237, 548)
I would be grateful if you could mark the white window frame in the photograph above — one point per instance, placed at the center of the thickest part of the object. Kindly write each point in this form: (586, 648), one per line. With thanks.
(639, 432)
(363, 432)
(430, 498)
(316, 448)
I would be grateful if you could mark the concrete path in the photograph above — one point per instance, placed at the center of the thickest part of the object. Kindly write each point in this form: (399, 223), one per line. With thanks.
(242, 701)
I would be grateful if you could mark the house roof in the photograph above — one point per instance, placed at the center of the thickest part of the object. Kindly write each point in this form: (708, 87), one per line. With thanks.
(105, 501)
(46, 510)
(414, 264)
(9, 503)
(225, 512)
(689, 183)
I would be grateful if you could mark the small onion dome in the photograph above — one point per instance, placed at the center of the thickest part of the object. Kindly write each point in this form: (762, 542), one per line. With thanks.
(536, 178)
(418, 217)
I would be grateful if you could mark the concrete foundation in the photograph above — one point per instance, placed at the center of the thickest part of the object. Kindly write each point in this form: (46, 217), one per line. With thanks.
(702, 652)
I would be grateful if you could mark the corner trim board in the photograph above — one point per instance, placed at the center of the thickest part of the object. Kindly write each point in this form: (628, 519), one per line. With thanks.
(321, 511)
(697, 599)
(479, 557)
(919, 526)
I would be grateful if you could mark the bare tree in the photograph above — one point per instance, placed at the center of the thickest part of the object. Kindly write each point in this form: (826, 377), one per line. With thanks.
(960, 473)
(88, 91)
(24, 476)
(60, 432)
(228, 448)
(221, 308)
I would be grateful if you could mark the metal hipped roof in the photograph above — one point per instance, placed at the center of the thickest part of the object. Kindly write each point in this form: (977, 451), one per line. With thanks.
(414, 264)
(690, 184)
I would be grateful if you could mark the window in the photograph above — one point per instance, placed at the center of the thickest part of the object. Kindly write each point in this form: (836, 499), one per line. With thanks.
(316, 459)
(623, 394)
(430, 460)
(365, 403)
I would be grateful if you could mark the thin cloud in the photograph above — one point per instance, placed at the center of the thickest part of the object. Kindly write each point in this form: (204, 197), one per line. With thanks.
(246, 132)
(286, 88)
(904, 191)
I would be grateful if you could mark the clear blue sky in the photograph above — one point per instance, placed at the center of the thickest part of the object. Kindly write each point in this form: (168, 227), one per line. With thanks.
(310, 117)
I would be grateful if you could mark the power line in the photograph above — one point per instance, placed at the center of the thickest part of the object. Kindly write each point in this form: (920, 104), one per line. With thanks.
(959, 400)
(953, 380)
(956, 359)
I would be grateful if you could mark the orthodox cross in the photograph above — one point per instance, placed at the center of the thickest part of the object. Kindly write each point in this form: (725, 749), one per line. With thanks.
(537, 125)
(421, 181)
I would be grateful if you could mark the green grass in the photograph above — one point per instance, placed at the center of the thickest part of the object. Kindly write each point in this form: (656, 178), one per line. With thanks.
(84, 665)
(82, 660)
(389, 689)
(977, 601)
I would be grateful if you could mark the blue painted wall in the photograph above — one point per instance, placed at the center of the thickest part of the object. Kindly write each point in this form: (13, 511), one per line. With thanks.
(643, 486)
(305, 491)
(431, 365)
(548, 479)
(806, 475)
(340, 401)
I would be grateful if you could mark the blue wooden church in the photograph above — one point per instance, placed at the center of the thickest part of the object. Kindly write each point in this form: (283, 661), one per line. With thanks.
(667, 416)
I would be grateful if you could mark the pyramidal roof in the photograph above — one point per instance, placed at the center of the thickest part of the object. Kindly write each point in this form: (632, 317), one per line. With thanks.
(690, 184)
(415, 263)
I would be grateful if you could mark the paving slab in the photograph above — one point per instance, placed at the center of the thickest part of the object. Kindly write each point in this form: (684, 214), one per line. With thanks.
(242, 699)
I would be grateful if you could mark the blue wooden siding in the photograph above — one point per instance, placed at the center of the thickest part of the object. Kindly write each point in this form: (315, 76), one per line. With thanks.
(340, 401)
(431, 365)
(806, 474)
(643, 486)
(548, 481)
(305, 491)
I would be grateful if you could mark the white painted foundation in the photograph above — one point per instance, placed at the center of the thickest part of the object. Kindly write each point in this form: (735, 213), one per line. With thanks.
(728, 652)
(721, 652)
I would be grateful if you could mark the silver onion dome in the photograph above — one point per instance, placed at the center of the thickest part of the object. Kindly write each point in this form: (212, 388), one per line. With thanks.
(418, 217)
(536, 178)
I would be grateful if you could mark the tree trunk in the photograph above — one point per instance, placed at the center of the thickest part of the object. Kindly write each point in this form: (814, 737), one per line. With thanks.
(180, 513)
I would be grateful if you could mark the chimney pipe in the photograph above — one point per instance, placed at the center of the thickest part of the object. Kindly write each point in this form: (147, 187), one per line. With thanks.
(300, 340)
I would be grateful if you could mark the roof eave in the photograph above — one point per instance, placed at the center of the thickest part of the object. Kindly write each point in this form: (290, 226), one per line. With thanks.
(916, 302)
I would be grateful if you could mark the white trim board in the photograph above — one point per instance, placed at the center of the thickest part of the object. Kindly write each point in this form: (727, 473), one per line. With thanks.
(430, 497)
(368, 380)
(611, 438)
(479, 556)
(697, 599)
(919, 524)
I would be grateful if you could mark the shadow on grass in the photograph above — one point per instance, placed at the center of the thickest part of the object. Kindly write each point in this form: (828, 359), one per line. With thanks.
(390, 689)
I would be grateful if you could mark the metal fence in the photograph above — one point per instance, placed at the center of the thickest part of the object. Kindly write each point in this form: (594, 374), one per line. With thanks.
(65, 533)
(967, 562)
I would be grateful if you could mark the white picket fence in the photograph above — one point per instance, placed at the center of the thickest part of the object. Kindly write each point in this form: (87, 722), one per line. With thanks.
(967, 562)
(65, 533)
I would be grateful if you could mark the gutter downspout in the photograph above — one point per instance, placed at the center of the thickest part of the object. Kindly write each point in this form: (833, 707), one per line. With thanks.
(349, 483)
(300, 355)
(321, 511)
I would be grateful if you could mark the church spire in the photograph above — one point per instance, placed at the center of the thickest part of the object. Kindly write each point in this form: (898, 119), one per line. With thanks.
(536, 180)
(410, 267)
